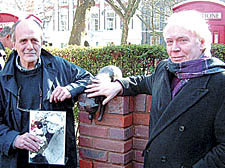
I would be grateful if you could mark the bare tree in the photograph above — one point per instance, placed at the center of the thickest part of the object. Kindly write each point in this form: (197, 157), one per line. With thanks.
(20, 5)
(79, 20)
(154, 13)
(126, 11)
(42, 8)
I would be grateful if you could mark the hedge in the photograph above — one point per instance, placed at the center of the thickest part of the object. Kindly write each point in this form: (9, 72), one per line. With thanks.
(131, 59)
(218, 50)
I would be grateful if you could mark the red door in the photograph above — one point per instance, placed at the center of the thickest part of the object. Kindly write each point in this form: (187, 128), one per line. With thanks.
(218, 34)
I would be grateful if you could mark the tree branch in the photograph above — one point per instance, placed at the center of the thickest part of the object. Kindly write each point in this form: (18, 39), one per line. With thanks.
(17, 4)
(121, 5)
(115, 8)
(135, 6)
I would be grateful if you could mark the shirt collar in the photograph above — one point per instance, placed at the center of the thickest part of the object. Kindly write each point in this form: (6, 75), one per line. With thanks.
(22, 69)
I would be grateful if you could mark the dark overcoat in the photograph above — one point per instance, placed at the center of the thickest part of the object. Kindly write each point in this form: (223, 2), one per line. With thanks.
(56, 72)
(189, 130)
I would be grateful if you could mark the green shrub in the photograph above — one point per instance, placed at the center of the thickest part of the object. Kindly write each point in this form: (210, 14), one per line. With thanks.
(218, 50)
(131, 59)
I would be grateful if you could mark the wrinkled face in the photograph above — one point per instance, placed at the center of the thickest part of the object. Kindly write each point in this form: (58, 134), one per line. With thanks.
(182, 45)
(28, 44)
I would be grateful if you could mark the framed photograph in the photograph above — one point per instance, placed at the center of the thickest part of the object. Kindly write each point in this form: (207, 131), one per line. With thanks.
(50, 127)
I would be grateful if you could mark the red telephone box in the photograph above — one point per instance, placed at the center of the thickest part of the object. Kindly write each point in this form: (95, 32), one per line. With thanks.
(7, 19)
(213, 11)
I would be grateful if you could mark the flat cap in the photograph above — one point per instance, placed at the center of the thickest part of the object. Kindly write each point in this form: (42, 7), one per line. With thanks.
(5, 31)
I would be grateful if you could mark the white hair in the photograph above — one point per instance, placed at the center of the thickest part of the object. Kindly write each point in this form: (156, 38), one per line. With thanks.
(193, 21)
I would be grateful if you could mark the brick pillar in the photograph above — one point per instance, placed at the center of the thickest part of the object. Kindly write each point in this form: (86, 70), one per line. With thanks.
(142, 104)
(118, 140)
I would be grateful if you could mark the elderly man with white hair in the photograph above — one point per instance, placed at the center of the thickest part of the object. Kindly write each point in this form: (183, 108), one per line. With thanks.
(187, 117)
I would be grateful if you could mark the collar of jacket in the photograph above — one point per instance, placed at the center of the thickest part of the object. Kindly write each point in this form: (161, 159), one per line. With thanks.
(22, 69)
(49, 72)
(9, 67)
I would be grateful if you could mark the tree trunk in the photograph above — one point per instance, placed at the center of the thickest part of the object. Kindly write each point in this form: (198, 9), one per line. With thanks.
(125, 32)
(78, 25)
(79, 20)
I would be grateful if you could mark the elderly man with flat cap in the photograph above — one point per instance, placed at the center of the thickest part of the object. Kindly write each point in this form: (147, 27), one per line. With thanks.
(5, 42)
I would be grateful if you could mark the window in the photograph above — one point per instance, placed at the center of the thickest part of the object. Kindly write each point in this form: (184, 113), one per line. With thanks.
(132, 23)
(94, 22)
(145, 37)
(216, 37)
(155, 40)
(156, 21)
(146, 18)
(110, 18)
(63, 21)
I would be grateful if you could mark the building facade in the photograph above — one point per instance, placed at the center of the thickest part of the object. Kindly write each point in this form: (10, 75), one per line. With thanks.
(104, 26)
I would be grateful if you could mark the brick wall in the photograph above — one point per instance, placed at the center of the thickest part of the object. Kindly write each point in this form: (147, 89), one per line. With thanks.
(119, 139)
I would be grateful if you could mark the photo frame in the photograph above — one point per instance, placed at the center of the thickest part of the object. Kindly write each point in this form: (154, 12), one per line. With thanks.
(50, 127)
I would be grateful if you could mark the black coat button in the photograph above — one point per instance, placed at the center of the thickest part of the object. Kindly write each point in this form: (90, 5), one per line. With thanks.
(163, 159)
(181, 128)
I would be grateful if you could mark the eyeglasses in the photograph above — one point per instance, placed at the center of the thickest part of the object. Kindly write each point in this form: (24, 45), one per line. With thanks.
(18, 101)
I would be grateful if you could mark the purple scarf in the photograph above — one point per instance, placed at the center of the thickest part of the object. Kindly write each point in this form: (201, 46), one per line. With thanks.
(184, 71)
